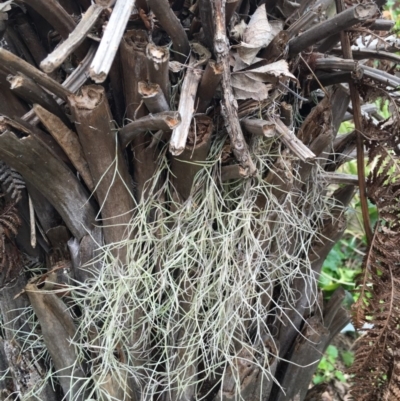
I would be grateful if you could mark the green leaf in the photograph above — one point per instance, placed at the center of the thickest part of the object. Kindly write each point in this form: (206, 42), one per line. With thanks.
(339, 375)
(347, 358)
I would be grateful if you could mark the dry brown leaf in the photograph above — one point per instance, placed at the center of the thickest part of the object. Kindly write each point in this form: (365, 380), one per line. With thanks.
(271, 73)
(247, 88)
(257, 35)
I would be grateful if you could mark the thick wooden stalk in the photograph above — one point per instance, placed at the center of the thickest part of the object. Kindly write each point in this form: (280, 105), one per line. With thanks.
(117, 90)
(207, 23)
(110, 41)
(336, 24)
(30, 38)
(186, 109)
(76, 38)
(54, 14)
(17, 46)
(134, 70)
(333, 63)
(208, 85)
(32, 93)
(371, 54)
(153, 122)
(14, 64)
(37, 164)
(185, 166)
(229, 107)
(69, 142)
(58, 329)
(10, 105)
(158, 60)
(107, 165)
(171, 24)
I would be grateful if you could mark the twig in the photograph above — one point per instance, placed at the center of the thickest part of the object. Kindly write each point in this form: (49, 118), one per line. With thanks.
(186, 108)
(78, 35)
(358, 123)
(171, 24)
(134, 69)
(111, 39)
(58, 329)
(229, 107)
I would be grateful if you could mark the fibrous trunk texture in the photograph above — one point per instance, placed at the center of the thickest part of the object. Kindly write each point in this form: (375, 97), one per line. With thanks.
(163, 231)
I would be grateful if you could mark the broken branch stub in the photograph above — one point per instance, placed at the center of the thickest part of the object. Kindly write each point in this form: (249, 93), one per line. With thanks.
(15, 64)
(164, 121)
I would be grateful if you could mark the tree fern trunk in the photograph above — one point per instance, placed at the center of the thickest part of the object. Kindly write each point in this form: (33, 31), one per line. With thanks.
(176, 257)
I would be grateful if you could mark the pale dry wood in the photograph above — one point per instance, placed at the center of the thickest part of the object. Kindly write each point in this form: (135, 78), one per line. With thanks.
(293, 143)
(111, 39)
(77, 36)
(68, 140)
(186, 108)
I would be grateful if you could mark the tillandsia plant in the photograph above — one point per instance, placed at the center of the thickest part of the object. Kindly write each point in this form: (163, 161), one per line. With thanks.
(169, 193)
